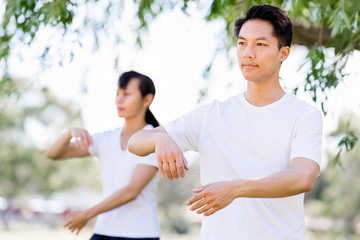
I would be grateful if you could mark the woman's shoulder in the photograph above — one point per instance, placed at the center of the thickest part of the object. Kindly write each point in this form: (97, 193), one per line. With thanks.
(148, 127)
(107, 133)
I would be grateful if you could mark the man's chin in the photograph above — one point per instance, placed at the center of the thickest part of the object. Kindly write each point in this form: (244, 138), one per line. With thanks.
(251, 78)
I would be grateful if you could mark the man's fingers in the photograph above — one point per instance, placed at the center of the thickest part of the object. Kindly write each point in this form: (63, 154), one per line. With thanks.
(211, 211)
(186, 165)
(204, 209)
(161, 167)
(167, 170)
(179, 165)
(195, 198)
(173, 168)
(200, 188)
(199, 204)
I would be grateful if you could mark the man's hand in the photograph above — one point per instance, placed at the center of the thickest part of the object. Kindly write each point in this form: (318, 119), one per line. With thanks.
(76, 221)
(170, 159)
(212, 197)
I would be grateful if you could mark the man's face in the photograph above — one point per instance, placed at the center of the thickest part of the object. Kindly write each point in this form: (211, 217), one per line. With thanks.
(258, 53)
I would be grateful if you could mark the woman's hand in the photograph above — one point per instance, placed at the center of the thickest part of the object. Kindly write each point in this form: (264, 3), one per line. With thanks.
(64, 147)
(170, 159)
(76, 221)
(82, 138)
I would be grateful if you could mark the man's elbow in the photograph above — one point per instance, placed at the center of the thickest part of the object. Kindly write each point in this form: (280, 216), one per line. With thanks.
(131, 146)
(132, 193)
(307, 182)
(137, 147)
(135, 150)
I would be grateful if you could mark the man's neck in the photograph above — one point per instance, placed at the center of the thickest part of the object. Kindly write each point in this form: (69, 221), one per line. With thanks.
(263, 94)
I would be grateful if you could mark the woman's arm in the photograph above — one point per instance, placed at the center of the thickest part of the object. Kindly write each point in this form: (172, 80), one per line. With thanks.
(299, 178)
(141, 177)
(63, 148)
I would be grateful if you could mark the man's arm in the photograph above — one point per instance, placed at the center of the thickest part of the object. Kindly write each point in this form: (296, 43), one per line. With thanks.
(141, 177)
(143, 142)
(170, 159)
(299, 178)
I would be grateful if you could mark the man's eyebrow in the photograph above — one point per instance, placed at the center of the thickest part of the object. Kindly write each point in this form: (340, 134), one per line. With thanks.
(259, 38)
(262, 38)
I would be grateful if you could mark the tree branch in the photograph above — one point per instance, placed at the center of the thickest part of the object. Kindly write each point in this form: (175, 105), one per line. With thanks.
(309, 35)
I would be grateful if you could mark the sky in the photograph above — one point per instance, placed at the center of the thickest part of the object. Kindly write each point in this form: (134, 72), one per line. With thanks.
(176, 50)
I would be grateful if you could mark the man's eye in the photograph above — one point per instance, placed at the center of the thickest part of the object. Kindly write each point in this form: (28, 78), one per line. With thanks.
(241, 43)
(261, 44)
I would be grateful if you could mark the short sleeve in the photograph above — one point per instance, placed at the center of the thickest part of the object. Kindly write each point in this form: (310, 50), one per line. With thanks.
(186, 131)
(307, 137)
(94, 149)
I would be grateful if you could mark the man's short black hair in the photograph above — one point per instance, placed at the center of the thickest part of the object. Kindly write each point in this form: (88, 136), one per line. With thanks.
(278, 18)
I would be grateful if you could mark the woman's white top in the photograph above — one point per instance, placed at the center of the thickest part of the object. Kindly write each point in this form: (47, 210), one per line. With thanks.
(137, 218)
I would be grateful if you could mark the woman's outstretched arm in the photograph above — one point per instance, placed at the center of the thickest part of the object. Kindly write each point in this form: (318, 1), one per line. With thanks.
(64, 148)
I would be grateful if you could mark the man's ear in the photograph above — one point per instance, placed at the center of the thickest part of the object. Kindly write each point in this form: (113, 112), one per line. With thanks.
(148, 100)
(284, 53)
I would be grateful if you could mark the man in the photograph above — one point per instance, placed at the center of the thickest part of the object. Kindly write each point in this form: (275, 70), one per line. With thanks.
(259, 151)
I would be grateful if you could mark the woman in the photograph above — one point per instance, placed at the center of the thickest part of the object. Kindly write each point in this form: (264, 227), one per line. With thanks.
(128, 210)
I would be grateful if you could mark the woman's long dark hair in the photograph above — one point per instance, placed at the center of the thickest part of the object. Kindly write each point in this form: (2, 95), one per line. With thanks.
(146, 86)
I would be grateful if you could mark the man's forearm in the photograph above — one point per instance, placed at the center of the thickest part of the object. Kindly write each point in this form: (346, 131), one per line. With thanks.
(212, 197)
(143, 142)
(285, 183)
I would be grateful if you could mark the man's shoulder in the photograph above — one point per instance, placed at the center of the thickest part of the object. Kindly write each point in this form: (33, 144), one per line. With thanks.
(301, 103)
(230, 101)
(305, 108)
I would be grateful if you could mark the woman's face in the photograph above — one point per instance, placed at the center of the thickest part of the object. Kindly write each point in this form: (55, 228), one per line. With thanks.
(129, 101)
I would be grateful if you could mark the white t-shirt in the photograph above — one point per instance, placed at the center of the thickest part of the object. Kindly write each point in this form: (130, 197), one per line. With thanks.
(137, 218)
(238, 140)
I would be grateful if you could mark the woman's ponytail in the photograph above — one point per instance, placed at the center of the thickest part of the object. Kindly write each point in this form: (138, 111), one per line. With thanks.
(150, 118)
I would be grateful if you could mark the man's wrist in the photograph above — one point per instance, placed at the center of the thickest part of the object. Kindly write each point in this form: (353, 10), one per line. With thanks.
(239, 187)
(159, 136)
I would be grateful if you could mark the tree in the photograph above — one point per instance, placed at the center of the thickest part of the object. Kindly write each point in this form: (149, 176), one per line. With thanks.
(324, 27)
(24, 167)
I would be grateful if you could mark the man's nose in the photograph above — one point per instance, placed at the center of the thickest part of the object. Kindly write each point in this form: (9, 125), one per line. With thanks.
(249, 52)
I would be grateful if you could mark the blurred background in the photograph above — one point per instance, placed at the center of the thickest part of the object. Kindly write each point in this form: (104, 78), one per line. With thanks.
(59, 66)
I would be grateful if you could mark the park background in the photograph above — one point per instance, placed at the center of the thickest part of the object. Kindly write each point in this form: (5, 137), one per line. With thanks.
(60, 61)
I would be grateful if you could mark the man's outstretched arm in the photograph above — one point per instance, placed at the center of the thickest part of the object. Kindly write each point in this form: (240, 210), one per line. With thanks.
(297, 179)
(170, 159)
